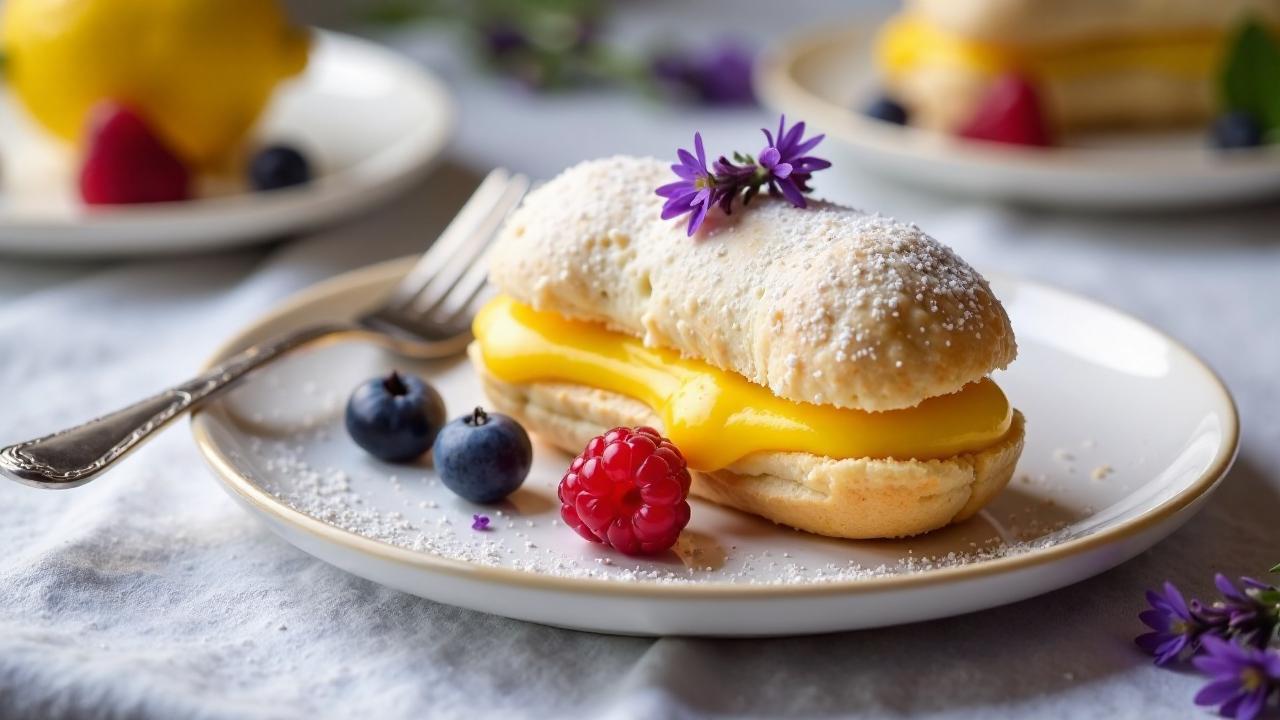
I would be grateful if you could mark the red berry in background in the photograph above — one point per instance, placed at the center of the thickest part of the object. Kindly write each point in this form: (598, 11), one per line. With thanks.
(126, 162)
(629, 490)
(1010, 112)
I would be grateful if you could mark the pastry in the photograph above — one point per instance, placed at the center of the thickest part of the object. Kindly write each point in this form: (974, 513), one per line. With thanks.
(823, 367)
(1096, 63)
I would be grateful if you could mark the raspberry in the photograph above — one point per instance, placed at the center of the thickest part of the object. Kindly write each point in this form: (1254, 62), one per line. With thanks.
(127, 162)
(1010, 112)
(628, 489)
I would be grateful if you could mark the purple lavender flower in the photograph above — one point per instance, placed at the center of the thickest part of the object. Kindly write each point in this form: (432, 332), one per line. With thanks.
(502, 38)
(718, 76)
(743, 177)
(786, 163)
(1249, 615)
(1175, 630)
(783, 167)
(1243, 677)
(695, 192)
(480, 522)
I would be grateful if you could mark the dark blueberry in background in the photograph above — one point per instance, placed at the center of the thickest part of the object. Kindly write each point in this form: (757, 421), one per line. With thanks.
(483, 457)
(882, 108)
(1235, 130)
(278, 166)
(395, 418)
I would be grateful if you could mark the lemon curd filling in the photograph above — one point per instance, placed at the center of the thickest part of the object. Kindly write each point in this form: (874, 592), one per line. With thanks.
(717, 417)
(908, 42)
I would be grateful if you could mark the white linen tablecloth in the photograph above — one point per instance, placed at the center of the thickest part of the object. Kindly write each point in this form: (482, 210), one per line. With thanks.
(149, 594)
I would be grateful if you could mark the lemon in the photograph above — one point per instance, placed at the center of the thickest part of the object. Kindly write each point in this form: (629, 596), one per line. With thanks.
(200, 71)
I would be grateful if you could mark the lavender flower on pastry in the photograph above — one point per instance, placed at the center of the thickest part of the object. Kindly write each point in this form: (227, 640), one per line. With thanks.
(696, 191)
(787, 164)
(785, 167)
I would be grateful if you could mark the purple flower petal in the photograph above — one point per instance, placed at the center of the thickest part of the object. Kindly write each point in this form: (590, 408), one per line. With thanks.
(1150, 642)
(1172, 594)
(809, 144)
(1251, 705)
(1217, 692)
(1155, 619)
(811, 164)
(695, 220)
(672, 189)
(789, 191)
(1211, 665)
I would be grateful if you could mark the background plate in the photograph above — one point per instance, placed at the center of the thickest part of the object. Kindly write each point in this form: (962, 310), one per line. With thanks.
(826, 77)
(1127, 432)
(371, 121)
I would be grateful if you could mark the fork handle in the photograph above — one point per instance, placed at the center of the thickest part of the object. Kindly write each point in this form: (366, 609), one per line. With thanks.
(74, 456)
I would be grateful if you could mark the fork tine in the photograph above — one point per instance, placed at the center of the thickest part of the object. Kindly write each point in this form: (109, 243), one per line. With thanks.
(437, 288)
(468, 289)
(462, 228)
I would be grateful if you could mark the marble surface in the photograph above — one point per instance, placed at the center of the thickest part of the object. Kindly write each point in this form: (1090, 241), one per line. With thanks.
(149, 594)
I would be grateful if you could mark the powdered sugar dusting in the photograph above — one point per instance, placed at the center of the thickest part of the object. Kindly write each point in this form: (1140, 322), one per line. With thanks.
(394, 508)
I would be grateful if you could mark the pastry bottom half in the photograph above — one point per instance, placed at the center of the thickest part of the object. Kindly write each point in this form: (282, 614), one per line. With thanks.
(944, 97)
(862, 498)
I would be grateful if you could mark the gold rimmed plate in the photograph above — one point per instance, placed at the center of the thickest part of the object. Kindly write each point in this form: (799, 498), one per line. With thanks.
(1127, 433)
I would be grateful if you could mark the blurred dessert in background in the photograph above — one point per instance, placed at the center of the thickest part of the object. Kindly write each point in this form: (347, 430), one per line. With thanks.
(199, 71)
(152, 93)
(1092, 64)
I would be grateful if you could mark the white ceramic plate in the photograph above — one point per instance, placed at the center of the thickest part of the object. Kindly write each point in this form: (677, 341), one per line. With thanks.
(371, 121)
(1127, 433)
(826, 78)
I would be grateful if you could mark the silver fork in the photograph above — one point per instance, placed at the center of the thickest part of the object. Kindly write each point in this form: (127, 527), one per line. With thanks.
(428, 315)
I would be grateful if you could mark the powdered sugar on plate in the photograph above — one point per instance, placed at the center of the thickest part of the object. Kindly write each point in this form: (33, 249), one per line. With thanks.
(409, 508)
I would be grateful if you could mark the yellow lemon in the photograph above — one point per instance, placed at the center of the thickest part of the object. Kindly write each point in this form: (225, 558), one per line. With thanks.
(200, 71)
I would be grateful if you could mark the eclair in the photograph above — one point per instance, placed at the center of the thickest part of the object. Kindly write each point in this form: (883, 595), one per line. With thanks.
(1096, 63)
(825, 368)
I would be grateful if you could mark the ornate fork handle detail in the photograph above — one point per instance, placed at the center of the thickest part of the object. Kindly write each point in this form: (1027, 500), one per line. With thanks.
(75, 456)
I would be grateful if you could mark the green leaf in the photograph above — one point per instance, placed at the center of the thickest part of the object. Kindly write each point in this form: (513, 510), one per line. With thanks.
(1275, 568)
(1250, 80)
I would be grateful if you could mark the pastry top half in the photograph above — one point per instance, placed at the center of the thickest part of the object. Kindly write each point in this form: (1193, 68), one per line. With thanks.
(1037, 22)
(823, 305)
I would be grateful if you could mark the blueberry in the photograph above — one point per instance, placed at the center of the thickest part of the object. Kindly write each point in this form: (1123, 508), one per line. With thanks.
(883, 108)
(278, 166)
(483, 457)
(395, 418)
(1236, 130)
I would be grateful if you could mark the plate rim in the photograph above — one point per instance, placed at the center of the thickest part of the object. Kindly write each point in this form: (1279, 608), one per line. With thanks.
(70, 235)
(386, 271)
(775, 82)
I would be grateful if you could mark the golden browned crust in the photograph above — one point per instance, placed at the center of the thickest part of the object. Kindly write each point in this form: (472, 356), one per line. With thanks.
(861, 498)
(944, 97)
(1039, 22)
